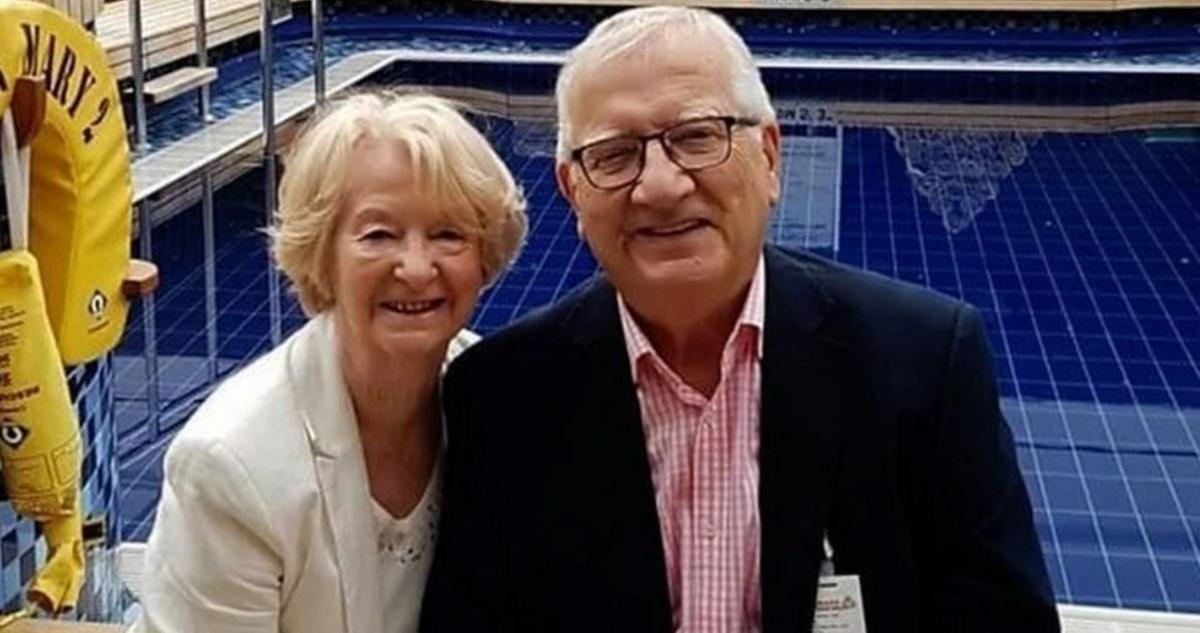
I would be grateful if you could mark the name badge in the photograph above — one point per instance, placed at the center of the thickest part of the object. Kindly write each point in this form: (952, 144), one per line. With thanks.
(839, 607)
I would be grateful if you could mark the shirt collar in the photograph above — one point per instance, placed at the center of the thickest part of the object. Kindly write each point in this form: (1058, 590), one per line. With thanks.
(638, 346)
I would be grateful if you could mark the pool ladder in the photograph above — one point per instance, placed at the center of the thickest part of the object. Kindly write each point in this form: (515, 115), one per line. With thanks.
(173, 84)
(198, 77)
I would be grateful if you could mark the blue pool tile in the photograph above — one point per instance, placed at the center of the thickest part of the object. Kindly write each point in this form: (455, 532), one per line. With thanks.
(1182, 578)
(1183, 467)
(1181, 376)
(1122, 395)
(1137, 581)
(1076, 532)
(1076, 391)
(1065, 493)
(1123, 535)
(1170, 537)
(1090, 579)
(1110, 496)
(1155, 396)
(1189, 497)
(1153, 497)
(1143, 374)
(1171, 433)
(1132, 349)
(1186, 398)
(1146, 465)
(1105, 373)
(1096, 464)
(1088, 430)
(1057, 462)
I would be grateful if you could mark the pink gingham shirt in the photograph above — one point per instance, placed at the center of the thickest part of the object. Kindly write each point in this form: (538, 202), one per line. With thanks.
(704, 465)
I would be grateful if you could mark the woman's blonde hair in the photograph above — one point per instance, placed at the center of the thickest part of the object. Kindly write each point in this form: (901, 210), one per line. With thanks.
(451, 160)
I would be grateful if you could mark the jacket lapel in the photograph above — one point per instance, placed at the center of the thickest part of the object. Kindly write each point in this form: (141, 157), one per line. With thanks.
(321, 395)
(804, 378)
(634, 563)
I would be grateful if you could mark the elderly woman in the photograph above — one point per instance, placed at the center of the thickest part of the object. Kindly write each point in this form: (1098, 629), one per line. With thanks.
(303, 494)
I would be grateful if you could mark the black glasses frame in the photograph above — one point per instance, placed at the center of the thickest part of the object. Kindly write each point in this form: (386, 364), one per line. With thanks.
(660, 136)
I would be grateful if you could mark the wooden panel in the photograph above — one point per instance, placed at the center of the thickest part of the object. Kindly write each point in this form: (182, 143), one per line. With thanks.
(183, 48)
(221, 29)
(51, 626)
(84, 11)
(905, 5)
(169, 31)
(140, 280)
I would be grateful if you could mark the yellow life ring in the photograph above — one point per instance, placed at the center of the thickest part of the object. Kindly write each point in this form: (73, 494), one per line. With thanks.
(39, 439)
(80, 187)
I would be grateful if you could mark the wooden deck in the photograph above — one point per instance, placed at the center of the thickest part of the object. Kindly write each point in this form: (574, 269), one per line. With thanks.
(51, 626)
(168, 26)
(169, 29)
(1097, 119)
(902, 5)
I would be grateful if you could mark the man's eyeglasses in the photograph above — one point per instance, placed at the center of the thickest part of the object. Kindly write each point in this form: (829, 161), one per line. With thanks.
(695, 144)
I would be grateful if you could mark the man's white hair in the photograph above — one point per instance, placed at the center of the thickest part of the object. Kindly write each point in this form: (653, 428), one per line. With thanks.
(643, 27)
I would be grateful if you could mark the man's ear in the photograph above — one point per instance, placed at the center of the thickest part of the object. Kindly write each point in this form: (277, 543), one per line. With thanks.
(566, 186)
(771, 147)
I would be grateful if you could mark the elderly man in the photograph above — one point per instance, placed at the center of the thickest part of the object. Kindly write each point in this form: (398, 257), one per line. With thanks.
(717, 436)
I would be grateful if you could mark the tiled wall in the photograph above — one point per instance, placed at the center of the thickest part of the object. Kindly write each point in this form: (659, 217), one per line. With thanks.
(1041, 31)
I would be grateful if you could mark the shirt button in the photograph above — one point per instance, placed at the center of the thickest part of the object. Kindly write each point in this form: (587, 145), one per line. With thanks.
(708, 530)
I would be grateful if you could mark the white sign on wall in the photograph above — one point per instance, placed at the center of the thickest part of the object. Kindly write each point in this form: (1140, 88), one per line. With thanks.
(809, 206)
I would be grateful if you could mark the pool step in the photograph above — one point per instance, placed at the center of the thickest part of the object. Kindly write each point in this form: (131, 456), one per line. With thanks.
(179, 81)
(130, 558)
(1085, 619)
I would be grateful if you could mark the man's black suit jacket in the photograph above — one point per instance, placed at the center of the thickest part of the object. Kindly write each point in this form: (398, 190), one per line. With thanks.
(880, 427)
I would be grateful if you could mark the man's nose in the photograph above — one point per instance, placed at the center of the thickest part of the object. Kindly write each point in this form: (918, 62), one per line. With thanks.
(662, 181)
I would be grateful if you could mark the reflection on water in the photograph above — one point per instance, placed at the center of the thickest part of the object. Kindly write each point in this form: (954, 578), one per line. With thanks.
(959, 171)
(532, 138)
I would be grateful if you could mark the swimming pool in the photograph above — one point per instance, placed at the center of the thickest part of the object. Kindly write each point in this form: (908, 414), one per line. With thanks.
(1065, 207)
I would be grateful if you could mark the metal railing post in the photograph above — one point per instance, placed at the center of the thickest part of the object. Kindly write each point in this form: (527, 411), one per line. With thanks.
(138, 71)
(210, 274)
(266, 57)
(202, 59)
(318, 29)
(149, 328)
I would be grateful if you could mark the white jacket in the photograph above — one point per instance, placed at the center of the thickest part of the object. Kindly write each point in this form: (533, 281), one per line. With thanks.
(265, 523)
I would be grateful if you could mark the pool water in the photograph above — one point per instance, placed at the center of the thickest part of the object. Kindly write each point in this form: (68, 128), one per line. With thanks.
(1065, 207)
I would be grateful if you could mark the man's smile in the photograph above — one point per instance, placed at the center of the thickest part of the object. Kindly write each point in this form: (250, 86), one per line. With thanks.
(672, 229)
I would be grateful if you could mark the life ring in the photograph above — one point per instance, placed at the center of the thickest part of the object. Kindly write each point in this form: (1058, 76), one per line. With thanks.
(80, 186)
(39, 438)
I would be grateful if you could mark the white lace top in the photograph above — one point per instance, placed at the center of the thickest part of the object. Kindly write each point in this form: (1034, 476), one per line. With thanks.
(405, 552)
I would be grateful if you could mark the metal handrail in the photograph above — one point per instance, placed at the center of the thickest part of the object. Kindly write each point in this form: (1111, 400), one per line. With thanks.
(138, 72)
(318, 29)
(266, 57)
(205, 98)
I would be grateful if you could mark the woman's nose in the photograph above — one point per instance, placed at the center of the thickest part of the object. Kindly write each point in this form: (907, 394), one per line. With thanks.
(415, 263)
